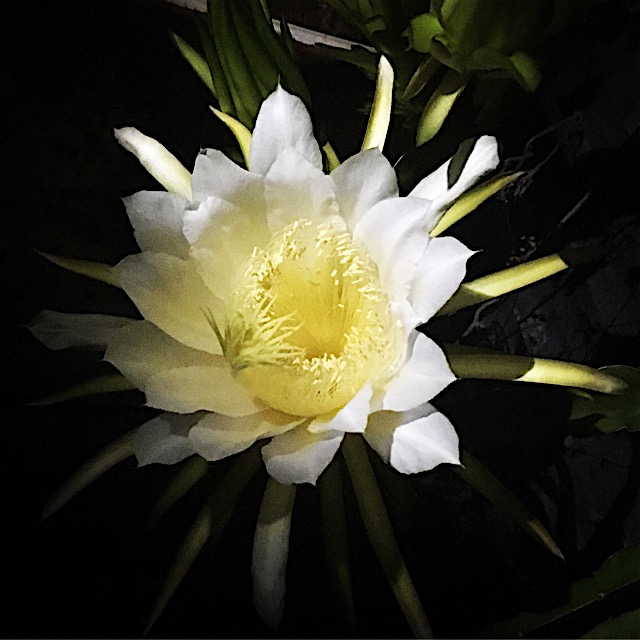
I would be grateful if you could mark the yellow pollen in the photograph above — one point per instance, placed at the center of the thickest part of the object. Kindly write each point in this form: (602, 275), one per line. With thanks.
(308, 324)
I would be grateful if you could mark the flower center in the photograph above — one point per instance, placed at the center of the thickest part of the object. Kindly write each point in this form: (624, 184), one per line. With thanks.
(308, 324)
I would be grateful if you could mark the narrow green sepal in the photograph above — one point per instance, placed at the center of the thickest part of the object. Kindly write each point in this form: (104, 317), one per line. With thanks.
(501, 282)
(609, 413)
(489, 486)
(91, 470)
(501, 366)
(187, 476)
(95, 270)
(335, 535)
(109, 383)
(471, 200)
(241, 133)
(380, 532)
(439, 105)
(380, 115)
(333, 162)
(209, 525)
(195, 60)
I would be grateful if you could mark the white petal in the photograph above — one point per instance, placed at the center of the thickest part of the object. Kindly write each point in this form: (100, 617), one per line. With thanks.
(413, 441)
(425, 374)
(361, 182)
(295, 189)
(300, 456)
(217, 436)
(482, 159)
(164, 439)
(175, 377)
(169, 292)
(270, 551)
(352, 418)
(222, 237)
(157, 217)
(159, 162)
(58, 330)
(283, 123)
(394, 235)
(440, 271)
(210, 388)
(216, 175)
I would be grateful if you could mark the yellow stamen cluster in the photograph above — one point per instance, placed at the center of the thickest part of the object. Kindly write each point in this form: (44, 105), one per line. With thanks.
(308, 324)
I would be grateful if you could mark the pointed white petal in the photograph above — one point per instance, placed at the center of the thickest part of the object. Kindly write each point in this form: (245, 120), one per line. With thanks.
(175, 377)
(352, 418)
(425, 374)
(156, 217)
(222, 237)
(271, 550)
(300, 456)
(283, 123)
(58, 330)
(394, 234)
(215, 175)
(217, 436)
(295, 189)
(413, 441)
(159, 162)
(169, 292)
(164, 439)
(361, 182)
(434, 187)
(440, 271)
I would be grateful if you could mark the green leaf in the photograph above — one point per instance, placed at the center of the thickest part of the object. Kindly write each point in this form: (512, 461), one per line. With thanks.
(109, 383)
(489, 486)
(620, 570)
(91, 470)
(95, 270)
(383, 540)
(612, 413)
(626, 625)
(422, 30)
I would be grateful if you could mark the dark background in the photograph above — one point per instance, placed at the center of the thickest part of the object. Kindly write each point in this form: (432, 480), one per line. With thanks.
(71, 72)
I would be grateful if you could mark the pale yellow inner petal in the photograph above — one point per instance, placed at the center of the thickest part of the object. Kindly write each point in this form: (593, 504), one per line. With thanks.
(308, 324)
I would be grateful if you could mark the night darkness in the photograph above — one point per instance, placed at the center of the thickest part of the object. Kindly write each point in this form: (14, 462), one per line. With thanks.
(74, 71)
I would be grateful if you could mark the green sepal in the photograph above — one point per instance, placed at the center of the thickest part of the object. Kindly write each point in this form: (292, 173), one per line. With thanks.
(209, 525)
(219, 80)
(241, 133)
(466, 362)
(502, 282)
(625, 625)
(380, 532)
(96, 270)
(109, 383)
(187, 476)
(439, 105)
(195, 60)
(114, 453)
(620, 570)
(489, 486)
(611, 413)
(335, 536)
(471, 200)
